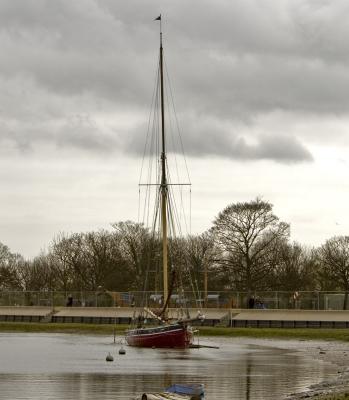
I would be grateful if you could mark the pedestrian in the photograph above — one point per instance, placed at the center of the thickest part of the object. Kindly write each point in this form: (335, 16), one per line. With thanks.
(251, 302)
(70, 301)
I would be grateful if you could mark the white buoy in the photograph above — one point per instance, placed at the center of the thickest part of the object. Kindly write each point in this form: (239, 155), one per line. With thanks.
(109, 357)
(122, 350)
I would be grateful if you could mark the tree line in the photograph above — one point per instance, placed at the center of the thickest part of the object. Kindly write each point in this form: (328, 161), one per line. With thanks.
(247, 249)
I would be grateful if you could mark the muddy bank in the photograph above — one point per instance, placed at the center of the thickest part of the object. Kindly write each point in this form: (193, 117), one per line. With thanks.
(336, 353)
(333, 352)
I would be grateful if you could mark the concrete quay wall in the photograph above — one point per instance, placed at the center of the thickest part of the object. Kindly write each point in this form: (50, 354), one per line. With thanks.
(264, 318)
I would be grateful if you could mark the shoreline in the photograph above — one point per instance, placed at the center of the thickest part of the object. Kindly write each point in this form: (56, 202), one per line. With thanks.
(339, 335)
(334, 388)
(328, 345)
(329, 351)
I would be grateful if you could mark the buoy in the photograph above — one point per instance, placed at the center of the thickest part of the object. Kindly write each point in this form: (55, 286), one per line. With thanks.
(109, 357)
(122, 351)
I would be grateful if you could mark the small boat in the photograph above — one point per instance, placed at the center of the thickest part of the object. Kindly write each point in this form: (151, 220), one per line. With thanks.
(192, 389)
(166, 396)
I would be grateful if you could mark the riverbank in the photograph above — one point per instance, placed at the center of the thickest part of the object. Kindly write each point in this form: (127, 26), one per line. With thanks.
(341, 335)
(327, 351)
(336, 388)
(103, 329)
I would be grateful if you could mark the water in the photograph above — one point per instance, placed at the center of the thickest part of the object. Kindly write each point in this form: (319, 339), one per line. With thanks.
(64, 366)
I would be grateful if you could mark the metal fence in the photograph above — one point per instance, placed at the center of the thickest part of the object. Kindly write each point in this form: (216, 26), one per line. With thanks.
(223, 299)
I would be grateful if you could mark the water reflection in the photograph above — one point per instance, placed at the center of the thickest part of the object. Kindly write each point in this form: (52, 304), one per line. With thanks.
(53, 366)
(248, 375)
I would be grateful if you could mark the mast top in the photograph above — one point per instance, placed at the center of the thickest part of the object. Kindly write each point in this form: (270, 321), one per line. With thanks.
(159, 19)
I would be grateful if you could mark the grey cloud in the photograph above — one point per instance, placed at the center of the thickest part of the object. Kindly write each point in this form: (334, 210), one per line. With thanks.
(72, 48)
(286, 149)
(290, 57)
(229, 61)
(81, 132)
(208, 137)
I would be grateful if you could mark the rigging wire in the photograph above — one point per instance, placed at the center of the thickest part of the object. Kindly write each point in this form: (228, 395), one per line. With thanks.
(149, 141)
(153, 151)
(175, 150)
(149, 119)
(139, 204)
(151, 138)
(176, 118)
(175, 210)
(190, 210)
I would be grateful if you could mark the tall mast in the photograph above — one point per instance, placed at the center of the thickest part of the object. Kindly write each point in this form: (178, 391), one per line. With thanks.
(163, 187)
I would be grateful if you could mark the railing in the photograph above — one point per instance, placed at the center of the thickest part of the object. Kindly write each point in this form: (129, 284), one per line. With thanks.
(224, 299)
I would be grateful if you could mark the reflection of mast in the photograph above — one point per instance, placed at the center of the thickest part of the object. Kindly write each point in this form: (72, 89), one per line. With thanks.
(248, 376)
(163, 187)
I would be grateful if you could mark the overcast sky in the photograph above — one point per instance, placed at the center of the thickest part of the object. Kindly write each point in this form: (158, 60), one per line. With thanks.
(262, 98)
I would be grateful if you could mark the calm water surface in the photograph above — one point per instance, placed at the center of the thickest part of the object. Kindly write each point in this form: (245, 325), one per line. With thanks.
(63, 366)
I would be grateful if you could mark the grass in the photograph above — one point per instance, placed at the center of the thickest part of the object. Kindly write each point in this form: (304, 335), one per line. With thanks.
(279, 333)
(104, 329)
(108, 329)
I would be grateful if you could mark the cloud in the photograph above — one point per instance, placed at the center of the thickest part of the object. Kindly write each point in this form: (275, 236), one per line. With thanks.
(252, 80)
(78, 57)
(285, 149)
(291, 57)
(206, 136)
(82, 132)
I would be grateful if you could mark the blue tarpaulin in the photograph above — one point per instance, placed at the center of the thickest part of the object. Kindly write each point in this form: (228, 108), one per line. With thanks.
(193, 389)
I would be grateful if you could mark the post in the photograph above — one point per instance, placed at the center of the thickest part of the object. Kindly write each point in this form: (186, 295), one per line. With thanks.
(276, 300)
(205, 284)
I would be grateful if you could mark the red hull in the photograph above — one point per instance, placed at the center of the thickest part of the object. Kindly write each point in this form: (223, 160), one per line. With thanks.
(167, 336)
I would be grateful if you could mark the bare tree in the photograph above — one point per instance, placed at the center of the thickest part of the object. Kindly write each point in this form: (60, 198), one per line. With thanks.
(68, 263)
(101, 259)
(246, 233)
(137, 248)
(8, 268)
(37, 274)
(294, 267)
(334, 263)
(201, 254)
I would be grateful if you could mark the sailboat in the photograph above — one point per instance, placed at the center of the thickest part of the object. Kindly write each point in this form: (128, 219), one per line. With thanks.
(164, 333)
